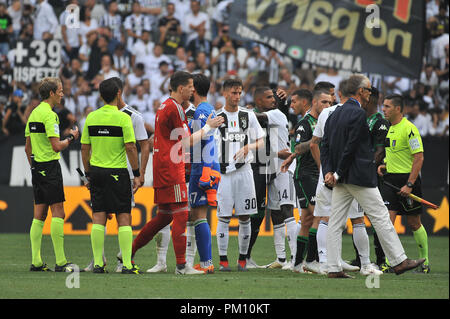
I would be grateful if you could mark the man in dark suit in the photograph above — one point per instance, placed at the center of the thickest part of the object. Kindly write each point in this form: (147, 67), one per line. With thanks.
(348, 164)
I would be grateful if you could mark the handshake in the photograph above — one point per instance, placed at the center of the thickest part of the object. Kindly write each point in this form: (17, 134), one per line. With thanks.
(209, 182)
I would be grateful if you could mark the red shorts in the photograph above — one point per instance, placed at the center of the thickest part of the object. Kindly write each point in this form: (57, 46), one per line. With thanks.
(171, 194)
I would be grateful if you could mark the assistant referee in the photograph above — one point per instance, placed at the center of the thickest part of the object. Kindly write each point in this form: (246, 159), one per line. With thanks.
(107, 140)
(42, 147)
(403, 162)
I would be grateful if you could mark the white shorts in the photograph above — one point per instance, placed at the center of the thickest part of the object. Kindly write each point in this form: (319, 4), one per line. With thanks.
(236, 189)
(323, 203)
(281, 191)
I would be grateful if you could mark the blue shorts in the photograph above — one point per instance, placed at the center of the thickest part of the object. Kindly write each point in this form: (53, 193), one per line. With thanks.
(197, 196)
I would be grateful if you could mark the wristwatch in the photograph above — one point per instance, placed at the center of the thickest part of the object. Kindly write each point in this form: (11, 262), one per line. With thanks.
(409, 184)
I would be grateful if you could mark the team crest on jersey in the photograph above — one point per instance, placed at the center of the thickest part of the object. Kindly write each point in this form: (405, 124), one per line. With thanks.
(244, 123)
(298, 138)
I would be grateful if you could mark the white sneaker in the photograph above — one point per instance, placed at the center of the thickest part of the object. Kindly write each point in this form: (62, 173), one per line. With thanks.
(188, 270)
(323, 267)
(158, 268)
(289, 265)
(312, 266)
(119, 266)
(370, 269)
(89, 267)
(299, 268)
(251, 264)
(276, 264)
(348, 267)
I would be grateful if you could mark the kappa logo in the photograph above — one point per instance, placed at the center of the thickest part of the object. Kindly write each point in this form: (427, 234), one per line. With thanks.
(202, 116)
(301, 128)
(383, 127)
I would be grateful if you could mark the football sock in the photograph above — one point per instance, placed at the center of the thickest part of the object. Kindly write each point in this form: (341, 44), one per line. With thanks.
(322, 241)
(178, 238)
(244, 237)
(36, 241)
(291, 231)
(97, 242)
(279, 241)
(57, 234)
(150, 229)
(223, 235)
(255, 224)
(361, 242)
(203, 239)
(191, 242)
(312, 245)
(125, 242)
(162, 244)
(378, 249)
(302, 242)
(421, 238)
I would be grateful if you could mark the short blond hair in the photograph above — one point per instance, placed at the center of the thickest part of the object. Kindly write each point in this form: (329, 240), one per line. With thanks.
(48, 85)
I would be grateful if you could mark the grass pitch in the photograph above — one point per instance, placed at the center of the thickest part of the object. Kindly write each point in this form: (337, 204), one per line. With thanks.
(16, 281)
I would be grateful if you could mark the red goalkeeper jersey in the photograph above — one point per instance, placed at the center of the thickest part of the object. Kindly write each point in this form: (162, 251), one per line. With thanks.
(168, 154)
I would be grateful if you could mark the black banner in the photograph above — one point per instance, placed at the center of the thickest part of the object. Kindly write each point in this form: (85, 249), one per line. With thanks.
(37, 59)
(364, 36)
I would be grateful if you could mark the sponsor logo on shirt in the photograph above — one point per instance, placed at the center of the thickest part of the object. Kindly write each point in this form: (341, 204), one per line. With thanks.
(234, 137)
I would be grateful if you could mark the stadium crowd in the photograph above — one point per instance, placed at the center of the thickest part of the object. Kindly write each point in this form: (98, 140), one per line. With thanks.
(145, 41)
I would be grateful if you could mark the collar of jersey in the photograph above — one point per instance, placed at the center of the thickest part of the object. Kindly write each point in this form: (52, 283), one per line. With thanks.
(113, 107)
(45, 104)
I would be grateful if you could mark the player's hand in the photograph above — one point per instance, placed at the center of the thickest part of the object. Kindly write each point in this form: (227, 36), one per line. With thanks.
(75, 132)
(215, 178)
(241, 154)
(142, 178)
(405, 191)
(136, 184)
(287, 162)
(281, 94)
(214, 122)
(329, 179)
(381, 170)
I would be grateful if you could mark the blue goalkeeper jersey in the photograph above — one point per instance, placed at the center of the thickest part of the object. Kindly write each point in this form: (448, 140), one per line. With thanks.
(204, 153)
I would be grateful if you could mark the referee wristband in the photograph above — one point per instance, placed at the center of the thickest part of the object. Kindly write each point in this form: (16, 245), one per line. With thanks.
(70, 138)
(136, 173)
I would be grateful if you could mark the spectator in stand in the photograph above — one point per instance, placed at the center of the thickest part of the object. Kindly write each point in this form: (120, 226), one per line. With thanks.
(440, 125)
(226, 60)
(221, 16)
(15, 12)
(70, 33)
(194, 20)
(45, 21)
(70, 101)
(160, 81)
(140, 102)
(107, 71)
(254, 61)
(152, 9)
(121, 61)
(85, 51)
(85, 96)
(202, 65)
(170, 31)
(86, 111)
(199, 44)
(142, 48)
(14, 120)
(331, 75)
(6, 29)
(66, 118)
(274, 64)
(428, 76)
(134, 79)
(152, 61)
(113, 21)
(99, 48)
(288, 80)
(179, 63)
(88, 24)
(135, 24)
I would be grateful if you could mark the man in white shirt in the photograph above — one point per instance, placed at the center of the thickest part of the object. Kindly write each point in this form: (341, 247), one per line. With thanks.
(152, 61)
(194, 20)
(143, 47)
(70, 35)
(45, 22)
(135, 24)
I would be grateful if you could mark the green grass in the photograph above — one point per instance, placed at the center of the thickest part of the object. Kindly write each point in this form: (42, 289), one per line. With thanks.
(16, 281)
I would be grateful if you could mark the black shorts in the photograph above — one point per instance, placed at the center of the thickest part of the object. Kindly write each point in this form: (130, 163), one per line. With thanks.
(47, 181)
(260, 188)
(110, 190)
(395, 202)
(305, 187)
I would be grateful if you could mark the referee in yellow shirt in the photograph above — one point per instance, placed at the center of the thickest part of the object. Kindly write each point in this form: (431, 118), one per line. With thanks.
(42, 146)
(403, 162)
(107, 140)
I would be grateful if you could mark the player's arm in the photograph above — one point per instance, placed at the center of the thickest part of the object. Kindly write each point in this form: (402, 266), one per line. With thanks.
(284, 154)
(28, 149)
(86, 158)
(211, 123)
(59, 145)
(145, 154)
(130, 148)
(415, 170)
(315, 149)
(242, 153)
